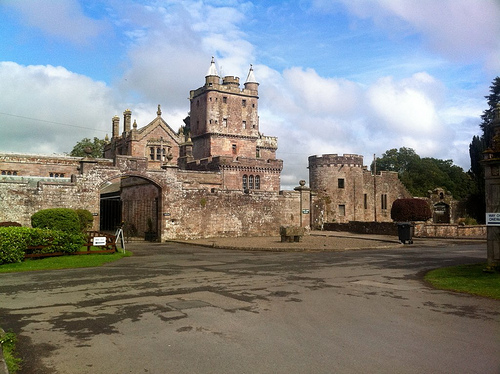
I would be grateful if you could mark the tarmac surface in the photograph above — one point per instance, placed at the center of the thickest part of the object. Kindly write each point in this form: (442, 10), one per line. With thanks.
(339, 303)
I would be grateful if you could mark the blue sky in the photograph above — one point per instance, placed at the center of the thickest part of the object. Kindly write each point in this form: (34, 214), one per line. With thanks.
(336, 76)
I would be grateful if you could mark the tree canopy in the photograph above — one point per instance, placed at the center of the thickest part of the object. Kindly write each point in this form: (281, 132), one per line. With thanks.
(419, 175)
(96, 148)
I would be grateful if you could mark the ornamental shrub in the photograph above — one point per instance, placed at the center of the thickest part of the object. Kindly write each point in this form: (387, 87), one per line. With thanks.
(86, 219)
(14, 242)
(62, 219)
(410, 210)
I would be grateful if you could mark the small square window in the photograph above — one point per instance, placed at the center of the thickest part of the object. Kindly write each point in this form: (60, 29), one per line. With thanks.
(341, 183)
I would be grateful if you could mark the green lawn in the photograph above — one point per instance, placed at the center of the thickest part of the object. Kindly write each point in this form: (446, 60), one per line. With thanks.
(8, 341)
(466, 278)
(63, 262)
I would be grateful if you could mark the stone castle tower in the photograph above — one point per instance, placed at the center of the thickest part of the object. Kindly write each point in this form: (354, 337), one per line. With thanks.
(348, 191)
(224, 131)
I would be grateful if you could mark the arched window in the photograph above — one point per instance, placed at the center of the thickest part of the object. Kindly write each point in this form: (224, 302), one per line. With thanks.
(250, 182)
(257, 182)
(245, 184)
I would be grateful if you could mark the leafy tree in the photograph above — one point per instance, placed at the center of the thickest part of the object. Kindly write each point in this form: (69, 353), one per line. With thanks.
(96, 148)
(419, 175)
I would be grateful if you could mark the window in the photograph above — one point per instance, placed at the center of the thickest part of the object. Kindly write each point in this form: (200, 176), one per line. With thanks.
(383, 201)
(224, 99)
(9, 172)
(158, 154)
(365, 202)
(224, 122)
(243, 103)
(234, 149)
(152, 154)
(245, 184)
(244, 124)
(257, 182)
(341, 183)
(56, 175)
(257, 153)
(250, 182)
(342, 210)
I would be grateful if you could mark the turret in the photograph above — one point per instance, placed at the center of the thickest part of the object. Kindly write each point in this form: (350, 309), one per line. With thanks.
(212, 76)
(251, 82)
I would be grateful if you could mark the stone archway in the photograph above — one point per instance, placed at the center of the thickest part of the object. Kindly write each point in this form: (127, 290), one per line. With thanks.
(134, 201)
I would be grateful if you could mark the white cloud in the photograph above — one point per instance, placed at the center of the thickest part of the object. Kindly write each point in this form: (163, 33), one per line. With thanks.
(63, 19)
(462, 30)
(47, 109)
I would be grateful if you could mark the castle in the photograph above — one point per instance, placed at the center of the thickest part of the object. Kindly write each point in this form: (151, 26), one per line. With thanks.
(216, 176)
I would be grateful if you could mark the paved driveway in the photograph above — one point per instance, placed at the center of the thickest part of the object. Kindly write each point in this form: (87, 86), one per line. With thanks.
(176, 309)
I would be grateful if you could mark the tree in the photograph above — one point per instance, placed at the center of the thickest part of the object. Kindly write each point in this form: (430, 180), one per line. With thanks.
(96, 148)
(489, 114)
(419, 175)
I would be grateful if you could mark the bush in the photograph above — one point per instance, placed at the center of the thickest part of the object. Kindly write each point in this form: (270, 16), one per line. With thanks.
(410, 210)
(14, 242)
(62, 219)
(86, 219)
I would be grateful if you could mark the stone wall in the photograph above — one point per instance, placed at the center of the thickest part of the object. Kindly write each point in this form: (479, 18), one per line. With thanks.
(427, 230)
(421, 229)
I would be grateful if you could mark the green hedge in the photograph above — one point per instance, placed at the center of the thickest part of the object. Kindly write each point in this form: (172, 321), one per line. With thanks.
(14, 242)
(62, 219)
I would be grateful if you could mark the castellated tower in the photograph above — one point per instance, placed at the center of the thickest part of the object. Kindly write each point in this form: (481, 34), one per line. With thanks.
(348, 191)
(224, 119)
(224, 130)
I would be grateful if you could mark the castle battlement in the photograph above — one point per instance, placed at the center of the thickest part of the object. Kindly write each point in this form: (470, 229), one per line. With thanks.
(350, 160)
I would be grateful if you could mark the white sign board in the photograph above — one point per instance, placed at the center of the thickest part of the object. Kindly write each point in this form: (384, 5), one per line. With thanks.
(99, 240)
(492, 219)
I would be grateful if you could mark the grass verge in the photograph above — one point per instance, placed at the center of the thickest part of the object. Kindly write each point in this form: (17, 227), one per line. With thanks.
(8, 343)
(63, 262)
(466, 278)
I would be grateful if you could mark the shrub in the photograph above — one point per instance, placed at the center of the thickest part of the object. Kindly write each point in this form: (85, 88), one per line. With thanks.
(410, 210)
(62, 219)
(86, 219)
(14, 242)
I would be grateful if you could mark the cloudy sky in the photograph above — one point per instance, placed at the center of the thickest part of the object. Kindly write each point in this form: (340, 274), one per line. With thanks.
(336, 76)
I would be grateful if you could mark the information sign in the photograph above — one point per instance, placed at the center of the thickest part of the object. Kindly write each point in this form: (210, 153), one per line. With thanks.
(492, 219)
(98, 240)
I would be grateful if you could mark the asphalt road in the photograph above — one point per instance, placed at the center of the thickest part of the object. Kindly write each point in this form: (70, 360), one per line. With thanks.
(177, 309)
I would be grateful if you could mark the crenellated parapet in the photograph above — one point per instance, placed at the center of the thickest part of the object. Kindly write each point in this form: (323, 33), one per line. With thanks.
(350, 160)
